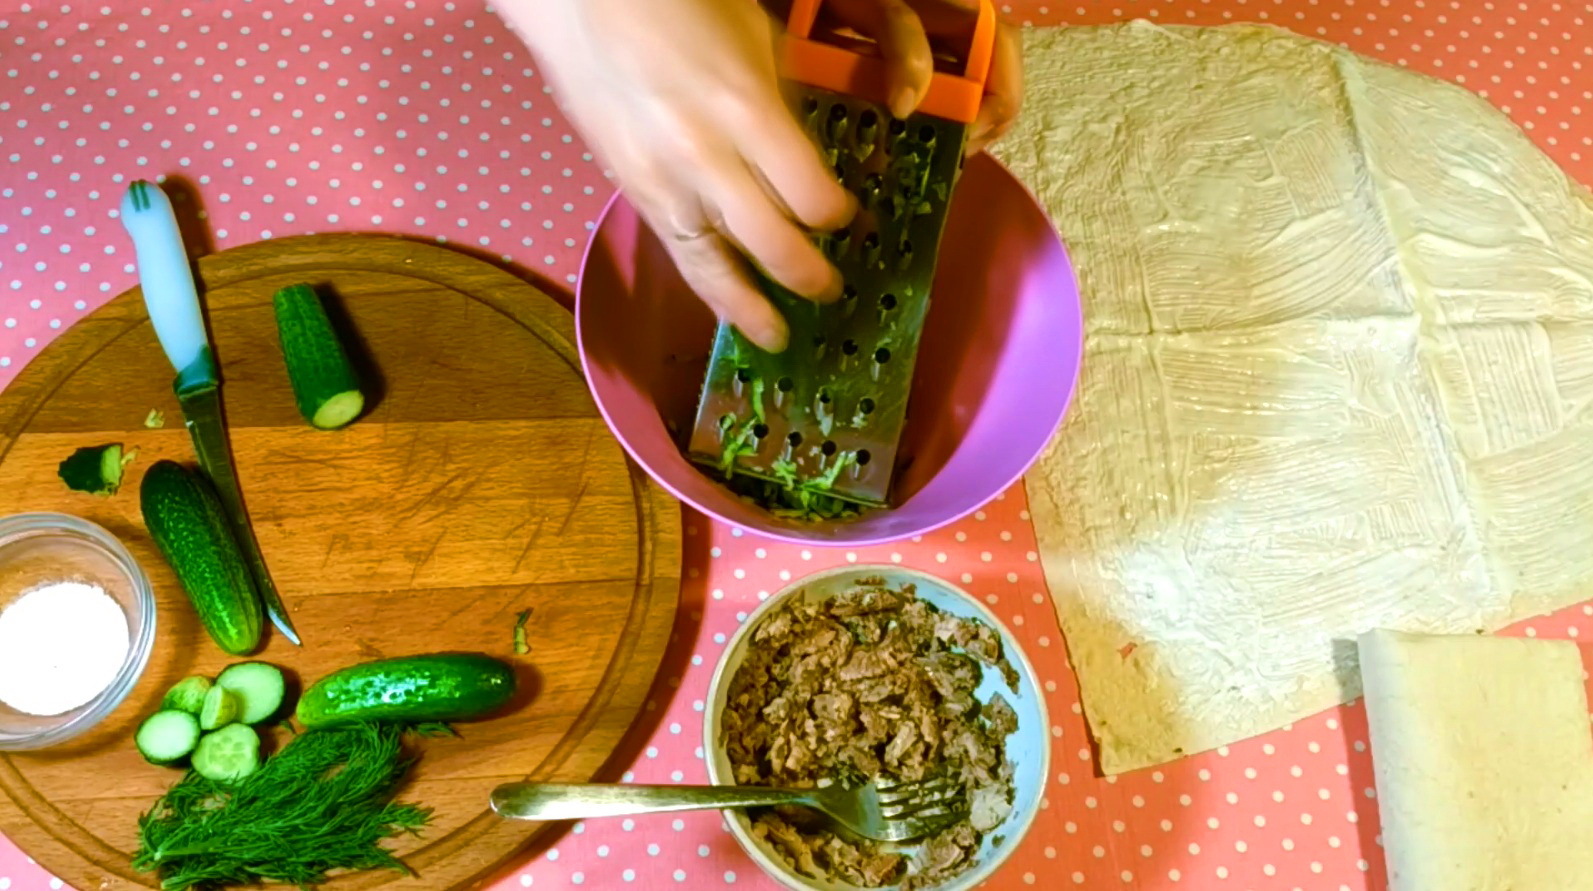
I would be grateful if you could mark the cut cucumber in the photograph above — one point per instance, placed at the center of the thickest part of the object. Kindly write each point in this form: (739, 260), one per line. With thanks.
(220, 708)
(259, 687)
(186, 519)
(411, 689)
(167, 736)
(188, 695)
(324, 382)
(228, 754)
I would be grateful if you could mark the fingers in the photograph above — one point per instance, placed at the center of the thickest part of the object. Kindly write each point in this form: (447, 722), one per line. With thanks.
(713, 269)
(792, 170)
(902, 41)
(770, 238)
(1003, 90)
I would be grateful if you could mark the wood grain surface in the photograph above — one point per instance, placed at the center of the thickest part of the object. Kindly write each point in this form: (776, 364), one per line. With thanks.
(482, 482)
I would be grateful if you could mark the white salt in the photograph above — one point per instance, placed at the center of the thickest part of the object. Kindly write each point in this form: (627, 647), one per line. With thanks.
(61, 644)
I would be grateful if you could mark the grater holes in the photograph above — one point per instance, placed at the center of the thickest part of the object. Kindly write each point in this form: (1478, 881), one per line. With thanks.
(836, 125)
(829, 448)
(871, 246)
(865, 406)
(794, 440)
(882, 355)
(863, 457)
(869, 118)
(744, 375)
(926, 134)
(760, 430)
(810, 105)
(849, 347)
(824, 397)
(887, 301)
(784, 384)
(897, 128)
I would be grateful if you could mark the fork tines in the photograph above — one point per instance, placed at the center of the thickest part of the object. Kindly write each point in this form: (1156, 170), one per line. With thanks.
(940, 795)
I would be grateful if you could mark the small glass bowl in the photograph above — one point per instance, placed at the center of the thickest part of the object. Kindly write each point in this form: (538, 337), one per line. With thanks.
(40, 548)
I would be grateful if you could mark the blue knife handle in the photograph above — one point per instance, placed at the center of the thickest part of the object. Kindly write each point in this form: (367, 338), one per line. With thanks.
(167, 279)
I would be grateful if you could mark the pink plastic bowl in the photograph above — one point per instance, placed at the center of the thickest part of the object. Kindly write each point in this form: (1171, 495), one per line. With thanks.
(996, 368)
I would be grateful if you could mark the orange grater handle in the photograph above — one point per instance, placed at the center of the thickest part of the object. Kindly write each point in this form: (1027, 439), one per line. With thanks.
(829, 67)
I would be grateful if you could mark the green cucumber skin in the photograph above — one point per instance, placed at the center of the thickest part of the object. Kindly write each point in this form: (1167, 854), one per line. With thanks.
(317, 362)
(411, 689)
(186, 520)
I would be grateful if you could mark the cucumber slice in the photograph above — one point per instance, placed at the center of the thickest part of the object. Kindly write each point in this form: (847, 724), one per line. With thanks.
(228, 754)
(167, 736)
(259, 687)
(188, 695)
(324, 382)
(220, 708)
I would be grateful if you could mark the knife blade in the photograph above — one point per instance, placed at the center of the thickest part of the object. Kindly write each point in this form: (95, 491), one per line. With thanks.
(173, 304)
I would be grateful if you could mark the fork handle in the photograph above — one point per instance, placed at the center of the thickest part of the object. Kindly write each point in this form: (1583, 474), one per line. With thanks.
(553, 801)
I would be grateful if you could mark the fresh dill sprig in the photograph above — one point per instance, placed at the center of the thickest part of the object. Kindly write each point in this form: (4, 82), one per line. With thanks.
(323, 803)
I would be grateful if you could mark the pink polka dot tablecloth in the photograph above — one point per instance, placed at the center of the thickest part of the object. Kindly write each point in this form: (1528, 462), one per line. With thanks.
(429, 118)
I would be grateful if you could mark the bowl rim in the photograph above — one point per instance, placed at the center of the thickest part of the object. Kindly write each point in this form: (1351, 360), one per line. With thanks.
(830, 540)
(738, 641)
(142, 640)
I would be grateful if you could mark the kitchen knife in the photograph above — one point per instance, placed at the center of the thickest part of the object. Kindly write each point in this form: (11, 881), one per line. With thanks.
(173, 304)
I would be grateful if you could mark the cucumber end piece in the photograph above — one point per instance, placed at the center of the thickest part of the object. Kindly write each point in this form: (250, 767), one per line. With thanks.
(220, 709)
(96, 470)
(339, 411)
(187, 695)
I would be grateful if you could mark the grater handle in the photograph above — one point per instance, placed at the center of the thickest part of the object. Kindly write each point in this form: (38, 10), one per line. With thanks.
(840, 70)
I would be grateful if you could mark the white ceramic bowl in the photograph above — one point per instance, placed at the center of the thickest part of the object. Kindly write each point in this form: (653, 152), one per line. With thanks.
(1029, 747)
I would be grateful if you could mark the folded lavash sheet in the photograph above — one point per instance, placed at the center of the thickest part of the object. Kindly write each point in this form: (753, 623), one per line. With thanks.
(1484, 761)
(1339, 358)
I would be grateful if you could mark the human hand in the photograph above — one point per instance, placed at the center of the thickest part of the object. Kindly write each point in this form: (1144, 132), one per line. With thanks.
(907, 32)
(681, 100)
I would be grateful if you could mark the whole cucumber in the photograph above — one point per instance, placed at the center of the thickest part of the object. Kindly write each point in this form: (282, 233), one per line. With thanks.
(185, 517)
(410, 689)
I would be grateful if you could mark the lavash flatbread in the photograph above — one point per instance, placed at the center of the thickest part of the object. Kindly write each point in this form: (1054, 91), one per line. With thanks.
(1338, 365)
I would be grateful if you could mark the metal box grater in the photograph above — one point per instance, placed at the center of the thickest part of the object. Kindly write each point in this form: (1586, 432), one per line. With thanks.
(820, 423)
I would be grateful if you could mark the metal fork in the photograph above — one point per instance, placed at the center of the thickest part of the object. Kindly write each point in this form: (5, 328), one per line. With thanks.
(885, 812)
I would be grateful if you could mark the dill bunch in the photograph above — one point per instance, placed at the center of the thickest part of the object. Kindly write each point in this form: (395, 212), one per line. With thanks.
(323, 803)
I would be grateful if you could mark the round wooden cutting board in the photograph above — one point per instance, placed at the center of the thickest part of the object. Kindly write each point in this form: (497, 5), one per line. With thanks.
(481, 483)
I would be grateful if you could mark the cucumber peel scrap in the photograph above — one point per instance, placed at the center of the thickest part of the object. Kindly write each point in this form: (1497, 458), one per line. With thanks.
(521, 644)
